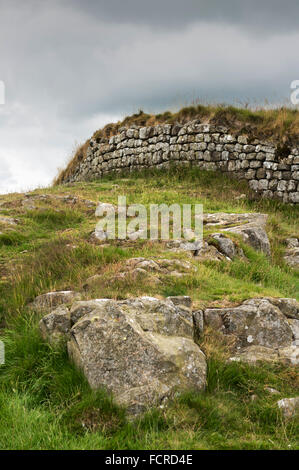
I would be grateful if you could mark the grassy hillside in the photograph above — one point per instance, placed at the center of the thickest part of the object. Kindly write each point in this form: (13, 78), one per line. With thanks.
(46, 404)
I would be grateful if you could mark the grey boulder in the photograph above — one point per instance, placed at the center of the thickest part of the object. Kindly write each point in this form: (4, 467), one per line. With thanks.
(141, 350)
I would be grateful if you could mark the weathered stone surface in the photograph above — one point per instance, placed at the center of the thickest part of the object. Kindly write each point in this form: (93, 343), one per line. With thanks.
(256, 322)
(142, 350)
(185, 245)
(294, 324)
(292, 253)
(99, 235)
(83, 307)
(289, 307)
(50, 300)
(209, 252)
(254, 354)
(255, 237)
(181, 300)
(292, 242)
(56, 325)
(226, 246)
(226, 220)
(289, 407)
(155, 267)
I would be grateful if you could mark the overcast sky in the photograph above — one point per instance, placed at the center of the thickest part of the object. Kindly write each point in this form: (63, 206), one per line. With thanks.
(71, 66)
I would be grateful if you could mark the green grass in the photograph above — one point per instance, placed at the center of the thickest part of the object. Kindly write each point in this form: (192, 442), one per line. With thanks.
(45, 403)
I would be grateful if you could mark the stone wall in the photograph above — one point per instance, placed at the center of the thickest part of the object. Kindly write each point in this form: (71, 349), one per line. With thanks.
(270, 171)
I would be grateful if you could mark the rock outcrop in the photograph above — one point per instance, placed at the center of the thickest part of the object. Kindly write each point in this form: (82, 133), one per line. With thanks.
(142, 350)
(145, 350)
(262, 329)
(154, 267)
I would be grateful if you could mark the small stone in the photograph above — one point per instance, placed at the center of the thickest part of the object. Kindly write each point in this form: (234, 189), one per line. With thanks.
(289, 407)
(56, 325)
(272, 391)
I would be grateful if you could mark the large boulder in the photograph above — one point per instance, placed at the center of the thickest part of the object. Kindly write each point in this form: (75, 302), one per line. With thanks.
(142, 350)
(255, 322)
(261, 329)
(250, 226)
(256, 237)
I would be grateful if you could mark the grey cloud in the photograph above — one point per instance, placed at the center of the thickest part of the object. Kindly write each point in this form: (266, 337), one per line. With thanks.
(69, 67)
(265, 15)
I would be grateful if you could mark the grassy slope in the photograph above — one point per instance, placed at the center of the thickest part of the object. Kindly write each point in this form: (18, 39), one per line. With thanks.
(45, 402)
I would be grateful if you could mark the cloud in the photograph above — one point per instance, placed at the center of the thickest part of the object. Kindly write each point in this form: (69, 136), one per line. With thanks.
(69, 67)
(266, 16)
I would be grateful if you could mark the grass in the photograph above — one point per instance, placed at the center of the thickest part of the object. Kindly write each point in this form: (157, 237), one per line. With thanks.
(45, 403)
(280, 125)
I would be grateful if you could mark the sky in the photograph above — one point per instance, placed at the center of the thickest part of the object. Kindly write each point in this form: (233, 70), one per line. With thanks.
(69, 67)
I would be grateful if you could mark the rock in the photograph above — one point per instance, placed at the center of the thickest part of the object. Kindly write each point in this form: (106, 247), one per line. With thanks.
(184, 245)
(198, 324)
(289, 407)
(141, 350)
(55, 325)
(225, 245)
(272, 391)
(28, 204)
(289, 355)
(254, 354)
(239, 220)
(83, 307)
(250, 226)
(50, 300)
(255, 237)
(104, 208)
(292, 243)
(180, 300)
(99, 235)
(209, 253)
(294, 324)
(142, 266)
(289, 307)
(256, 322)
(139, 234)
(292, 254)
(8, 220)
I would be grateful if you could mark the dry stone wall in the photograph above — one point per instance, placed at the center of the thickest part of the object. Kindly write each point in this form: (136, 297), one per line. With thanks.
(269, 171)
